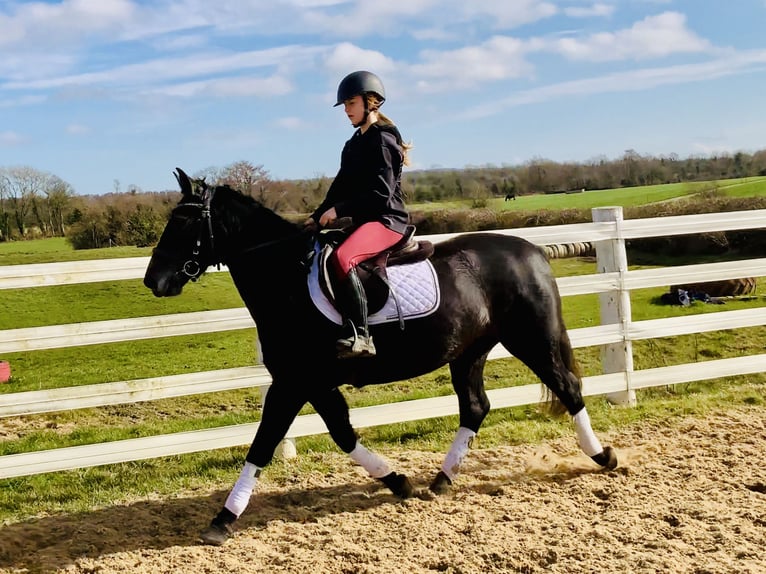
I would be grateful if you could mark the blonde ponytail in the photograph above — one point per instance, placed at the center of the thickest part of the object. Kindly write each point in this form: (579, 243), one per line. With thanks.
(373, 104)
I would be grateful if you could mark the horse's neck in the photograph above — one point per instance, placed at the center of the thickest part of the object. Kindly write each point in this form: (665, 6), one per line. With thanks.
(268, 275)
(253, 231)
(260, 248)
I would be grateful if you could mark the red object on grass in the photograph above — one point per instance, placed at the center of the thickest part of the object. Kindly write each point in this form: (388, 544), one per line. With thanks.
(5, 371)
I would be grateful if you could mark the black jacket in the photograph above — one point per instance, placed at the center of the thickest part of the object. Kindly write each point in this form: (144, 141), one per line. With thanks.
(368, 186)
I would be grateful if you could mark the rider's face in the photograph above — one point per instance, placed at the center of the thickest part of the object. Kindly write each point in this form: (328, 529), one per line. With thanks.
(354, 108)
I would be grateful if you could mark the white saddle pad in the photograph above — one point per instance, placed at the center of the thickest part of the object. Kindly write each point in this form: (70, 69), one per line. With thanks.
(415, 284)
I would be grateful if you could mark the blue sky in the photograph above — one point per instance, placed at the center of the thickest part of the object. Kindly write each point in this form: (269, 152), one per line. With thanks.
(108, 94)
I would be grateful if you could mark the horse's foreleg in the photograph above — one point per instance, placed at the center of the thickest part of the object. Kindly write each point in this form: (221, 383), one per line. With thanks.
(280, 409)
(468, 382)
(332, 407)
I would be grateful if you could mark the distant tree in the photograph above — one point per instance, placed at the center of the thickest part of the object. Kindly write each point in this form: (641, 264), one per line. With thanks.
(5, 208)
(29, 197)
(250, 179)
(90, 231)
(20, 187)
(50, 209)
(247, 178)
(143, 227)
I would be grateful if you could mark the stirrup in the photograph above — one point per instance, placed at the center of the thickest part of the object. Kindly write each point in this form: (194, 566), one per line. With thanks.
(355, 346)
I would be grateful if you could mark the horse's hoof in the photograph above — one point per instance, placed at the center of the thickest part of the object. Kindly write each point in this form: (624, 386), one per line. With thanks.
(606, 458)
(399, 484)
(441, 484)
(215, 535)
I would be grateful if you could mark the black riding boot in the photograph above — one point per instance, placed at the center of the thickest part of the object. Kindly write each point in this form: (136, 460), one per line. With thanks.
(354, 303)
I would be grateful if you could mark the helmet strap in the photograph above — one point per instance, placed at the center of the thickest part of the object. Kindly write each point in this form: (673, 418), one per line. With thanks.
(366, 112)
(364, 119)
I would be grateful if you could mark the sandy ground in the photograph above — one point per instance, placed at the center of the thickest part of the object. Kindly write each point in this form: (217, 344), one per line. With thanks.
(687, 498)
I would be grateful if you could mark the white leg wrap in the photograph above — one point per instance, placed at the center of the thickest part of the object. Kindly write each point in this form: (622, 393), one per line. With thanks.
(457, 452)
(239, 496)
(374, 464)
(585, 437)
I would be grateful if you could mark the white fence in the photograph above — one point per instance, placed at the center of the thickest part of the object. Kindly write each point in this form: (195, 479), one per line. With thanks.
(615, 335)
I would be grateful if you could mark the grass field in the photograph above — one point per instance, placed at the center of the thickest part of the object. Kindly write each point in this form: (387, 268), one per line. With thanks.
(626, 197)
(87, 488)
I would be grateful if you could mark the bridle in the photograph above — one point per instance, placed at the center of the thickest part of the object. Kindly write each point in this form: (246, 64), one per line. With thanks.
(192, 268)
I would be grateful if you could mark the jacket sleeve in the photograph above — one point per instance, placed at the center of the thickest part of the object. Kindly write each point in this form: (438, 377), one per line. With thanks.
(331, 198)
(337, 188)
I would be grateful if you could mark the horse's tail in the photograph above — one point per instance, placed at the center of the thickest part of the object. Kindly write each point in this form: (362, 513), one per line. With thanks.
(553, 404)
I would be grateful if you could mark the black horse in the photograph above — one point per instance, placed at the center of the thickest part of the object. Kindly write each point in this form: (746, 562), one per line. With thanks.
(494, 289)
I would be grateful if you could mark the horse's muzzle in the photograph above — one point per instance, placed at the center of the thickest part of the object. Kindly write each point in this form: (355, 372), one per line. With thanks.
(165, 286)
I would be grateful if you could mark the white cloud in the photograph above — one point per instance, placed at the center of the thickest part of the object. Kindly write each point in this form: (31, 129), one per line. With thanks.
(367, 17)
(167, 69)
(22, 101)
(594, 10)
(652, 37)
(24, 66)
(84, 36)
(290, 123)
(65, 21)
(346, 57)
(635, 80)
(499, 58)
(428, 34)
(509, 13)
(315, 3)
(77, 129)
(182, 42)
(226, 88)
(359, 18)
(10, 139)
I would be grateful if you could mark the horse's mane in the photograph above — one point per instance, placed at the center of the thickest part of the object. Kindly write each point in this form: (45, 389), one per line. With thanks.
(244, 211)
(247, 223)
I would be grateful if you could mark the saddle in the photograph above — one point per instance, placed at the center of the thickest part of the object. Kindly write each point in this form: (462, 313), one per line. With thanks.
(372, 272)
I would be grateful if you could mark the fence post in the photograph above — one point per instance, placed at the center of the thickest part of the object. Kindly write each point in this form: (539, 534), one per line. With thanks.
(615, 305)
(286, 448)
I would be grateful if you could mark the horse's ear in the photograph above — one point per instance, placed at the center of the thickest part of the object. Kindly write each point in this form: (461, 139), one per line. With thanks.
(184, 181)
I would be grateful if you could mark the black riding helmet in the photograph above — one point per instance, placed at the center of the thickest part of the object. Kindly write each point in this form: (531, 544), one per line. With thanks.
(360, 83)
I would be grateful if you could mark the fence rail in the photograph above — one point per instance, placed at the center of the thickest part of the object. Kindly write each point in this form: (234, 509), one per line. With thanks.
(614, 282)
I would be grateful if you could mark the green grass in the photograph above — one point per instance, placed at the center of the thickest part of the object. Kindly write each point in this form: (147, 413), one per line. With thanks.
(57, 249)
(746, 187)
(60, 305)
(84, 489)
(92, 364)
(625, 197)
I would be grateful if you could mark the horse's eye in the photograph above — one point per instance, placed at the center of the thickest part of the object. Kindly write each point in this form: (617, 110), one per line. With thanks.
(185, 219)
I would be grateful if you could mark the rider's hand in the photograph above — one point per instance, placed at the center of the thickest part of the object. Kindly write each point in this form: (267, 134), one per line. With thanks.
(328, 217)
(310, 225)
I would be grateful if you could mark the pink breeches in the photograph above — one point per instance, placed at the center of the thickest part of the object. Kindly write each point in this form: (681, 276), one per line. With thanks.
(368, 240)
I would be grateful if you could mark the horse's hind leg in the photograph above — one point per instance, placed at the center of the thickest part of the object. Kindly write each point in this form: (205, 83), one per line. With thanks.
(545, 348)
(468, 381)
(332, 407)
